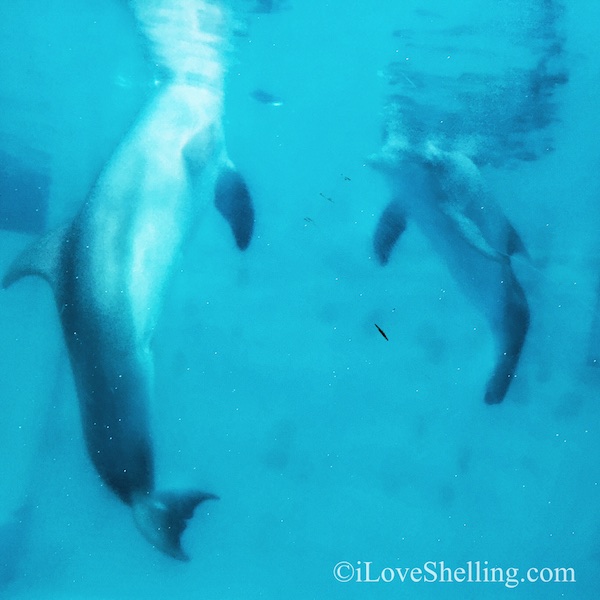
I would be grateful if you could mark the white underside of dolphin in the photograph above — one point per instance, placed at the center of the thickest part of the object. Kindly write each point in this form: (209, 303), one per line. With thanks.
(443, 192)
(109, 267)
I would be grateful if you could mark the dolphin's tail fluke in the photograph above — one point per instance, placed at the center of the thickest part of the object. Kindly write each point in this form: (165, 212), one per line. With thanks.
(501, 379)
(513, 326)
(162, 517)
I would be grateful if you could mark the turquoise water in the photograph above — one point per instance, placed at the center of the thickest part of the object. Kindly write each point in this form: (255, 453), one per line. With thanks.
(273, 387)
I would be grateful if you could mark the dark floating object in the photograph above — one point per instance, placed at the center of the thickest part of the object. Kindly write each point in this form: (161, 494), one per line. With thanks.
(381, 331)
(264, 6)
(266, 98)
(324, 196)
(268, 6)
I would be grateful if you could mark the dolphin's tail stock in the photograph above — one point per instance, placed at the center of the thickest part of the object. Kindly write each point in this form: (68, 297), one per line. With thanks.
(162, 517)
(512, 330)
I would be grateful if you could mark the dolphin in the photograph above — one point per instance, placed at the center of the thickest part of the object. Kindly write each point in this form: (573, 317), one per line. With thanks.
(444, 193)
(109, 267)
(443, 122)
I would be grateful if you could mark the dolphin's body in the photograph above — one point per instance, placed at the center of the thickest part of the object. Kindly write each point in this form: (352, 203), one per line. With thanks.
(109, 267)
(444, 194)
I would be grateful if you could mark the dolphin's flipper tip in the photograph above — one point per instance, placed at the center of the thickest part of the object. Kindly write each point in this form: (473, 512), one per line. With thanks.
(162, 518)
(495, 394)
(389, 228)
(234, 202)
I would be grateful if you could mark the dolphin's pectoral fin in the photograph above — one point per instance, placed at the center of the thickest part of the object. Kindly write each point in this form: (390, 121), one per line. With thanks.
(471, 233)
(234, 202)
(390, 227)
(514, 326)
(514, 243)
(161, 517)
(41, 258)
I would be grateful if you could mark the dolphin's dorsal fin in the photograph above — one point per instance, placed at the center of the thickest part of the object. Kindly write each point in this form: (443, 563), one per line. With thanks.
(515, 243)
(41, 258)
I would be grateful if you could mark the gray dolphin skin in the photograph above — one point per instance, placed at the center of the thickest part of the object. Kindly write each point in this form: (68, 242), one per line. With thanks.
(109, 267)
(444, 193)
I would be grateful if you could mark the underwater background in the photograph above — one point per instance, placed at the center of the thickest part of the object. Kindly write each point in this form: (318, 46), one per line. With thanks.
(274, 389)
